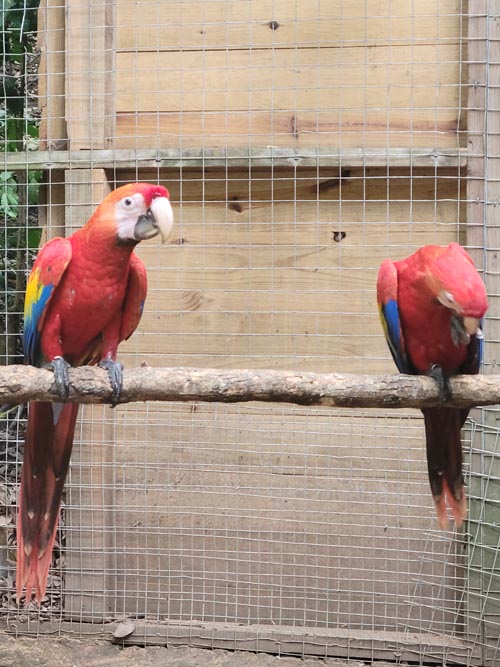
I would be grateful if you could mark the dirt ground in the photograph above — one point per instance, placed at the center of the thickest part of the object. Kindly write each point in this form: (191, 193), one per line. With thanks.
(69, 652)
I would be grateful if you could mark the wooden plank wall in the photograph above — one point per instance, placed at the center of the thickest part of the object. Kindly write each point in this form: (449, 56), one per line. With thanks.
(218, 74)
(282, 73)
(266, 513)
(276, 268)
(263, 514)
(250, 514)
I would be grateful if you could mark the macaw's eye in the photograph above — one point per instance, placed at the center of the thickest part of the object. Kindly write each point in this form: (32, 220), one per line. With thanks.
(447, 299)
(128, 202)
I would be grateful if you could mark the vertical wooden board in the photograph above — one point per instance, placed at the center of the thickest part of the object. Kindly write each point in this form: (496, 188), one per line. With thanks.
(84, 191)
(51, 209)
(89, 73)
(51, 74)
(52, 103)
(483, 571)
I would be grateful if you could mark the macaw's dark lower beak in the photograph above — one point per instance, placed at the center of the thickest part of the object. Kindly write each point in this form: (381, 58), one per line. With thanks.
(462, 328)
(145, 227)
(159, 219)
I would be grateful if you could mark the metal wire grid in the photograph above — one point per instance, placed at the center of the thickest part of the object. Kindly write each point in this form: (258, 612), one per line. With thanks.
(266, 514)
(188, 531)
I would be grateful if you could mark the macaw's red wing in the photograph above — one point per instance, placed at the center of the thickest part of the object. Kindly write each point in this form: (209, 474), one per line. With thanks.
(387, 297)
(46, 274)
(49, 440)
(137, 287)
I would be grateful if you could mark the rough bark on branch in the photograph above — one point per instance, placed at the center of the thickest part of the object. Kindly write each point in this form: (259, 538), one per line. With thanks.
(19, 384)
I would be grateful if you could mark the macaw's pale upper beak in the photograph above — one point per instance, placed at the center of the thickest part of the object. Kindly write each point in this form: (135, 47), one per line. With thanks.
(473, 326)
(159, 219)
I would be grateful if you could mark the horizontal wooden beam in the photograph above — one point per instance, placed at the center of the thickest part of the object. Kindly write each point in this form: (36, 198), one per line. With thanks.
(19, 384)
(236, 157)
(281, 640)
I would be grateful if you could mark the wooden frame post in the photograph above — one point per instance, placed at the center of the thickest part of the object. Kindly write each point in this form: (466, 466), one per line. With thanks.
(483, 236)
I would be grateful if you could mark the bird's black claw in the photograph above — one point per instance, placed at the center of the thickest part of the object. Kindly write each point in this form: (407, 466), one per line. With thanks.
(61, 376)
(114, 370)
(443, 382)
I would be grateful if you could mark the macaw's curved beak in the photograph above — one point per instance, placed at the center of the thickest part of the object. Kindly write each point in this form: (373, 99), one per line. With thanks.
(159, 219)
(463, 328)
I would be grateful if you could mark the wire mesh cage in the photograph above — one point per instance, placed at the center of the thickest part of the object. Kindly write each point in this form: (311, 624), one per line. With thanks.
(302, 144)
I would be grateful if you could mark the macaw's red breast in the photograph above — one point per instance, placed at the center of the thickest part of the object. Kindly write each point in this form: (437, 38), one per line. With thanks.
(89, 298)
(429, 278)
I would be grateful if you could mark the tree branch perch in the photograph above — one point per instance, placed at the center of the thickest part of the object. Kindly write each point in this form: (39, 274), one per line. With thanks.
(90, 384)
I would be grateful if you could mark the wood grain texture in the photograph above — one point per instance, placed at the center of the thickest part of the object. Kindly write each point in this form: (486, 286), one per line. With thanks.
(429, 128)
(278, 268)
(90, 385)
(218, 25)
(89, 73)
(483, 236)
(238, 157)
(318, 95)
(52, 103)
(226, 74)
(174, 644)
(315, 80)
(265, 512)
(84, 191)
(51, 73)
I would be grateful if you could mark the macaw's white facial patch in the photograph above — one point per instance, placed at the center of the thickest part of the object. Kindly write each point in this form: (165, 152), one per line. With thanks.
(127, 211)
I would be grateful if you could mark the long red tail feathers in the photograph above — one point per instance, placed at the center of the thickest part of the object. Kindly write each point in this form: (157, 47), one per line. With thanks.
(47, 451)
(444, 460)
(458, 506)
(33, 567)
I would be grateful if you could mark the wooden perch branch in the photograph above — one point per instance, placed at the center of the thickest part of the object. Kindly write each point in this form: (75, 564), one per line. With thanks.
(19, 384)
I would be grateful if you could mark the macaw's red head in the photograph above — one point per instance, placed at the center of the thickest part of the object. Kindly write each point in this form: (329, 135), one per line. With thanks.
(133, 213)
(456, 284)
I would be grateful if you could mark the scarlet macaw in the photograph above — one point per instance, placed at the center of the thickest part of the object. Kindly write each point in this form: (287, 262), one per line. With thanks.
(85, 294)
(431, 306)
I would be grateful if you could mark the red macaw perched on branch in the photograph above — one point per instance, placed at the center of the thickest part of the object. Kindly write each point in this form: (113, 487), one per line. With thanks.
(85, 294)
(431, 305)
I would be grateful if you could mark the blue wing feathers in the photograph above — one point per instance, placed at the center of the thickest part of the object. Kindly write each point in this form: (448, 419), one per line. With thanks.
(32, 318)
(390, 314)
(45, 276)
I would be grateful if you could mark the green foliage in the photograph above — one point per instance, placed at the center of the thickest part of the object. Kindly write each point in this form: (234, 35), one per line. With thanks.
(9, 200)
(9, 195)
(18, 24)
(19, 190)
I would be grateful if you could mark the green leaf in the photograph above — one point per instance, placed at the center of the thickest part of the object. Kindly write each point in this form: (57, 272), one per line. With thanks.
(33, 237)
(12, 197)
